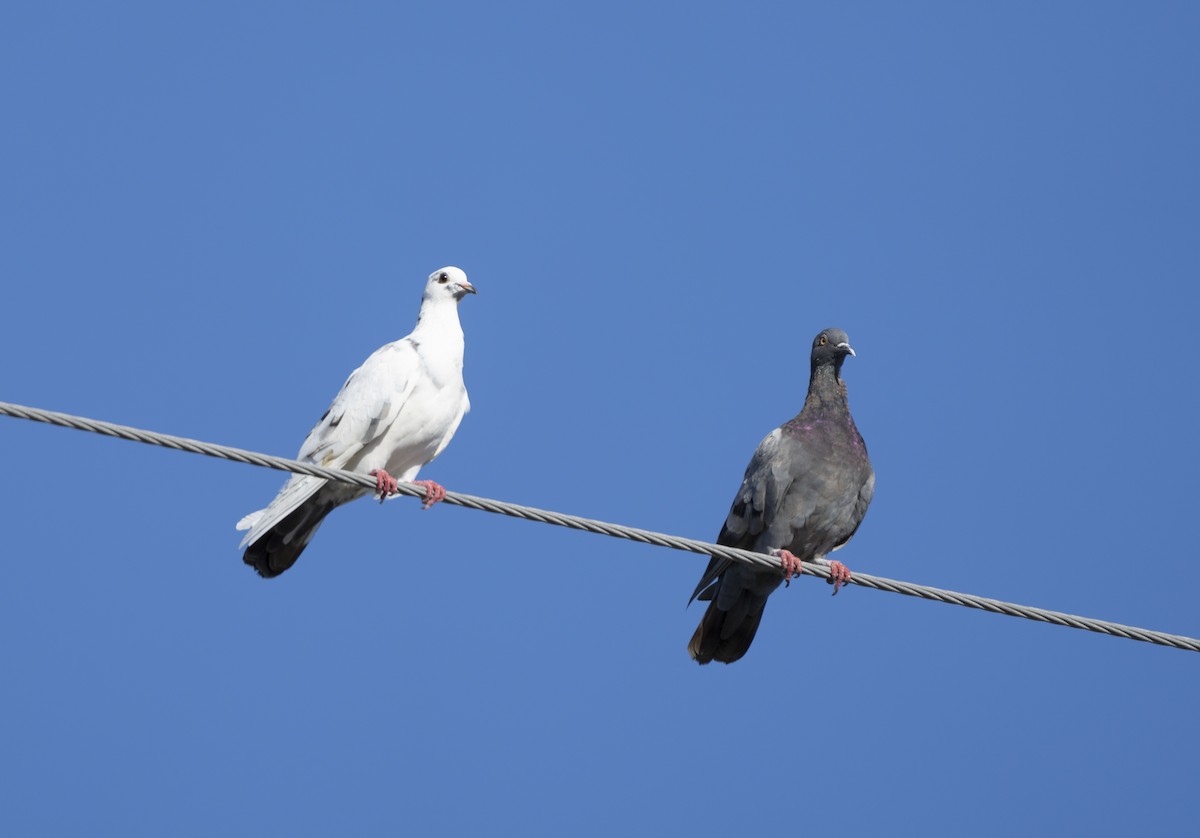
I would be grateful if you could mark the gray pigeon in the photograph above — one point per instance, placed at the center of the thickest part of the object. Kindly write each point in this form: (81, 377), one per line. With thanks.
(395, 413)
(805, 492)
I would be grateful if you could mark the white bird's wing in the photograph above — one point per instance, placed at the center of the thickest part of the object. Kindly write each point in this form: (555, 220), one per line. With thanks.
(367, 405)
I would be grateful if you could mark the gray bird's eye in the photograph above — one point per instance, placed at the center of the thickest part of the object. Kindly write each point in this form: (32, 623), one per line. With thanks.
(824, 340)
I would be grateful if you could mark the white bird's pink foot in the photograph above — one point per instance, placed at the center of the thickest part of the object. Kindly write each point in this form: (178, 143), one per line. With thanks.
(434, 492)
(385, 484)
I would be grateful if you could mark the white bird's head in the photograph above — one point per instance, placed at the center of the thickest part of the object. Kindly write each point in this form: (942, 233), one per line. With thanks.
(448, 283)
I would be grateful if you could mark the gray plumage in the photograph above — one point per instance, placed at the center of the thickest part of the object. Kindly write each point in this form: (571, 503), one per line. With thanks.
(806, 490)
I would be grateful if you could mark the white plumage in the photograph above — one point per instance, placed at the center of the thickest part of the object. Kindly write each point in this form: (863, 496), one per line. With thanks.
(395, 413)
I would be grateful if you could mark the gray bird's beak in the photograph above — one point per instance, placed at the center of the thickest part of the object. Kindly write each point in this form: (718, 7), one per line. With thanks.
(849, 349)
(467, 287)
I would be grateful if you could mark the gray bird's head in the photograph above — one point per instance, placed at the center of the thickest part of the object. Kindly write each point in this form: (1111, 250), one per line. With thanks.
(448, 283)
(830, 348)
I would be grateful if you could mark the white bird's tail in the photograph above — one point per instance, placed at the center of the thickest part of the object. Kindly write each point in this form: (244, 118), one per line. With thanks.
(278, 534)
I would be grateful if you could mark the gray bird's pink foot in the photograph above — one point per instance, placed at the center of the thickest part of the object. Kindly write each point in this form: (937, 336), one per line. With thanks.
(839, 575)
(791, 565)
(385, 484)
(434, 492)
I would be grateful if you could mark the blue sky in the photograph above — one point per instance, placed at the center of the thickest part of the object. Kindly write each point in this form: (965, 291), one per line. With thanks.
(213, 212)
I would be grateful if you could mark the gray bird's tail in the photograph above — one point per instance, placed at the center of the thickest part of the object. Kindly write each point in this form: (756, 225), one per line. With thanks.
(726, 635)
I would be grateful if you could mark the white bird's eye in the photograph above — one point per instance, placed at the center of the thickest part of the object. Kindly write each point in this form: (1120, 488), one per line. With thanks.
(442, 277)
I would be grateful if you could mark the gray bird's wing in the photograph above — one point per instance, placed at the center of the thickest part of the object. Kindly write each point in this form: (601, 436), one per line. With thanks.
(765, 491)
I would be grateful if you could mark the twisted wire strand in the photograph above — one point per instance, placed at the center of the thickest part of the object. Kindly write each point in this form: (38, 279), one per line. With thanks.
(575, 522)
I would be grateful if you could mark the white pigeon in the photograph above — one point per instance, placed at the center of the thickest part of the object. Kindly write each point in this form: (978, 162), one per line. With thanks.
(393, 415)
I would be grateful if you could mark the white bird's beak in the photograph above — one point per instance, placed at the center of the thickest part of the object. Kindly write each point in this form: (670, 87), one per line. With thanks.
(847, 347)
(467, 287)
